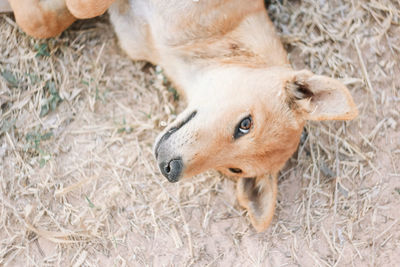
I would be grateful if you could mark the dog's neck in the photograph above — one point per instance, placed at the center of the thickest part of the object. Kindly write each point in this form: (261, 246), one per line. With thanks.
(252, 42)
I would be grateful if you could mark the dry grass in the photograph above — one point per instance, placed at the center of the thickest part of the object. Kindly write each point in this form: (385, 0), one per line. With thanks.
(79, 185)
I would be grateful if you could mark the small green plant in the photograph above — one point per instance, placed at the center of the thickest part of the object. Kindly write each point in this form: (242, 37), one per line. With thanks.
(85, 82)
(167, 83)
(34, 140)
(124, 128)
(10, 78)
(52, 101)
(102, 96)
(174, 93)
(42, 50)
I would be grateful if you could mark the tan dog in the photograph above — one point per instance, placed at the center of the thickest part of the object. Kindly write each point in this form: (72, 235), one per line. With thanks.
(246, 105)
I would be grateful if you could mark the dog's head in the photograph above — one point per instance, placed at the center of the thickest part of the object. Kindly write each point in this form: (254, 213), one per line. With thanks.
(247, 122)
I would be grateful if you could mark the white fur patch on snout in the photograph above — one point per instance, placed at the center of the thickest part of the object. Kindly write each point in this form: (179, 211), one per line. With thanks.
(171, 131)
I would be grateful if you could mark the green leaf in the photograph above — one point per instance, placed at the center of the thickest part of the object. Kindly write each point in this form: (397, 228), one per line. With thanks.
(10, 78)
(90, 202)
(42, 162)
(44, 110)
(85, 82)
(54, 100)
(42, 50)
(46, 136)
(174, 93)
(51, 86)
(397, 189)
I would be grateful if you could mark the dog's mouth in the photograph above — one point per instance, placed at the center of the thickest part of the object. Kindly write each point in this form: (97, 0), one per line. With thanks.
(168, 134)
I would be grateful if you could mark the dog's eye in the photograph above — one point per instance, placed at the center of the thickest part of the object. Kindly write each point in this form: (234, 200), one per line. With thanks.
(235, 170)
(243, 127)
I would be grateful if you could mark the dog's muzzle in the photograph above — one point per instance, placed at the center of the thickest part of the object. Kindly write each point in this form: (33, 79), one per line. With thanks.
(171, 164)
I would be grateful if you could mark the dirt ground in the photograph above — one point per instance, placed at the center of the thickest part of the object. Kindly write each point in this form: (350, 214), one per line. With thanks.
(79, 185)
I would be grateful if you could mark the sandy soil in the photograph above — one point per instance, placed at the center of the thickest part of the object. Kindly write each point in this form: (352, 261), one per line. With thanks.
(79, 185)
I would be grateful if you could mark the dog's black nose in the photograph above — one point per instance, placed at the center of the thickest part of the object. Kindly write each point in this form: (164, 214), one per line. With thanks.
(172, 169)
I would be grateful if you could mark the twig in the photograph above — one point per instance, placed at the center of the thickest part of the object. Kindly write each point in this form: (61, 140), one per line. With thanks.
(366, 76)
(186, 227)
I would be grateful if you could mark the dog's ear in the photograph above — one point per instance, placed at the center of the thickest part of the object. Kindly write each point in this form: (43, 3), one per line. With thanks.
(258, 196)
(319, 98)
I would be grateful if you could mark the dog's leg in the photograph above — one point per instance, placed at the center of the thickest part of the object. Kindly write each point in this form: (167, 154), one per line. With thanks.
(84, 9)
(133, 30)
(258, 196)
(42, 19)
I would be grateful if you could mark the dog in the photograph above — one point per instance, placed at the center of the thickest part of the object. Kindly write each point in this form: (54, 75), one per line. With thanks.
(246, 105)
